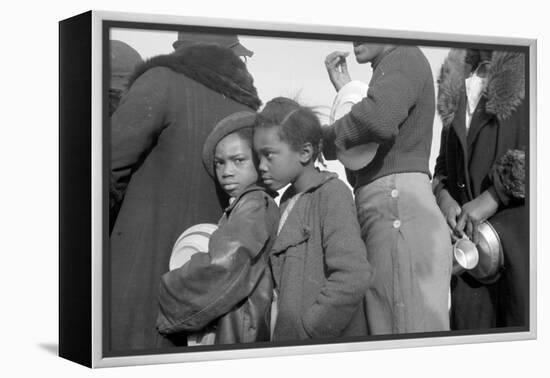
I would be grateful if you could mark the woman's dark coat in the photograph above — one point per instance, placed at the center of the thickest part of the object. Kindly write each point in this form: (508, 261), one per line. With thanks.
(157, 178)
(491, 153)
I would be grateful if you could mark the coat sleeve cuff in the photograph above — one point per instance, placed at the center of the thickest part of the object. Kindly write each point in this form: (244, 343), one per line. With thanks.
(508, 176)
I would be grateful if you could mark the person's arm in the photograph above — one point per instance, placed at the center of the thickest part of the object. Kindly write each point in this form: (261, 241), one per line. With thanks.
(378, 116)
(348, 95)
(349, 273)
(440, 170)
(508, 177)
(447, 204)
(212, 283)
(135, 126)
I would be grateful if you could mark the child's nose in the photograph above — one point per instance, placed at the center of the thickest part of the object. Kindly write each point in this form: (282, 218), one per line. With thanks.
(262, 166)
(228, 170)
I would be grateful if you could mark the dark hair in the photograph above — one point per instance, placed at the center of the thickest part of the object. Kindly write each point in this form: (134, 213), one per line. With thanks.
(297, 124)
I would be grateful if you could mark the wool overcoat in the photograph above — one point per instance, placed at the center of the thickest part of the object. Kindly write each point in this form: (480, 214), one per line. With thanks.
(490, 153)
(157, 179)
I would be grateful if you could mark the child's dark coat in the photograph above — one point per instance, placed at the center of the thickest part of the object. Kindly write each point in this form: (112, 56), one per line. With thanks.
(231, 284)
(320, 266)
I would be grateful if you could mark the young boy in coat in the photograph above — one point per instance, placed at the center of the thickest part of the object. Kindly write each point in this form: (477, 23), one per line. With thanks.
(230, 287)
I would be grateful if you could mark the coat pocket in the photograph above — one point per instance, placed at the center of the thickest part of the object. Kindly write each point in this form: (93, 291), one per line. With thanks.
(289, 239)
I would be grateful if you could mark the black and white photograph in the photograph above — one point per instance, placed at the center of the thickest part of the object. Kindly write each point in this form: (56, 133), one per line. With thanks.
(274, 188)
(235, 189)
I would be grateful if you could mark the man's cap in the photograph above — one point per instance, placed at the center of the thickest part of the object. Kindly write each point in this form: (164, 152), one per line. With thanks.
(231, 41)
(124, 60)
(226, 126)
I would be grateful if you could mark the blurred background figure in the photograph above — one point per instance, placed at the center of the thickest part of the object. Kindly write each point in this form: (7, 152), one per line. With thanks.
(157, 180)
(124, 60)
(186, 39)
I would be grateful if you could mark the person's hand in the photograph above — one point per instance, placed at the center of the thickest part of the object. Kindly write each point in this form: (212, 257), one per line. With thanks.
(451, 210)
(474, 212)
(337, 69)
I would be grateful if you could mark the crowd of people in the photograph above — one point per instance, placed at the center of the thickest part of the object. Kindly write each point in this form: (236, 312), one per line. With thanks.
(190, 143)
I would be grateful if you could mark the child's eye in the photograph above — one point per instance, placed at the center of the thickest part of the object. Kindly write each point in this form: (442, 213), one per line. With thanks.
(218, 164)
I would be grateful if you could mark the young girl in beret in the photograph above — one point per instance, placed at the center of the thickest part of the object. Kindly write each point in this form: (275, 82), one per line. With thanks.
(319, 261)
(229, 288)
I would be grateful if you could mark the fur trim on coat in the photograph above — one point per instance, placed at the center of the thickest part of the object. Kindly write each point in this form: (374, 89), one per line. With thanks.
(508, 175)
(215, 67)
(505, 88)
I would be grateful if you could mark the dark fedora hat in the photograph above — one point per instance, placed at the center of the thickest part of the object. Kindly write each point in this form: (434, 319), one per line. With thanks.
(226, 126)
(231, 41)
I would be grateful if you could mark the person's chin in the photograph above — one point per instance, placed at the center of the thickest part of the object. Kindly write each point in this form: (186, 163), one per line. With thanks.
(271, 184)
(231, 190)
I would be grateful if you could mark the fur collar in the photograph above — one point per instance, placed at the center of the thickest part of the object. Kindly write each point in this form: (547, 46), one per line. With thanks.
(505, 88)
(215, 67)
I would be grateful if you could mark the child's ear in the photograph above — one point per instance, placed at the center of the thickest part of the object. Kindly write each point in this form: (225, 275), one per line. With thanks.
(306, 153)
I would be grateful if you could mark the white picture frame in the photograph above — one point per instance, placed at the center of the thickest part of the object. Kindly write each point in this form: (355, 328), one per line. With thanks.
(98, 24)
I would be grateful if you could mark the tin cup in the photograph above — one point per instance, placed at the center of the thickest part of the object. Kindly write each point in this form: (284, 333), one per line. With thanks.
(465, 255)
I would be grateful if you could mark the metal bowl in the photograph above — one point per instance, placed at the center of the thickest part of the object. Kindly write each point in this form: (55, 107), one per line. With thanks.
(491, 257)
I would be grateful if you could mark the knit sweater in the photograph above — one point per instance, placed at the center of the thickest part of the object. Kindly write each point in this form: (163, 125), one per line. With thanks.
(397, 113)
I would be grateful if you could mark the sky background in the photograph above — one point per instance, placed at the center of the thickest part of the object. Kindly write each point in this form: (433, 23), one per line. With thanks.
(288, 67)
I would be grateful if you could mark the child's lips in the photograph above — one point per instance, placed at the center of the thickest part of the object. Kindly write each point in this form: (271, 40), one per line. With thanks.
(229, 186)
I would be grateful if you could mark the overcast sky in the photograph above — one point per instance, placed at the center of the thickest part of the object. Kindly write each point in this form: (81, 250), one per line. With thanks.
(288, 67)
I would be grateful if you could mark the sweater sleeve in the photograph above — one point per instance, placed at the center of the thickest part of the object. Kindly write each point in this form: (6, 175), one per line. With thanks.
(135, 125)
(212, 283)
(349, 273)
(349, 95)
(378, 116)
